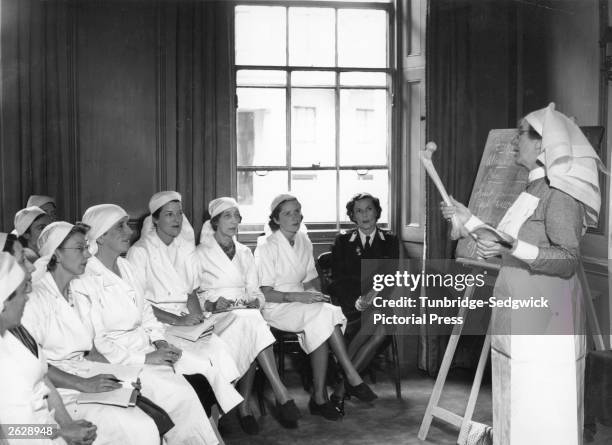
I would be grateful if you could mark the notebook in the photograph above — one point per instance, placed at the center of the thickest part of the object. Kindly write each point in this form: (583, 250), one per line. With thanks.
(192, 333)
(123, 397)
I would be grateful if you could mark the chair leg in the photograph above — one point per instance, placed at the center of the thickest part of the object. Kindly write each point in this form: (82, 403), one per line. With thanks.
(305, 371)
(281, 359)
(396, 366)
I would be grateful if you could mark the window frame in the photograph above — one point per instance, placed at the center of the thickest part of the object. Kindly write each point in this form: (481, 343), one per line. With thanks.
(323, 232)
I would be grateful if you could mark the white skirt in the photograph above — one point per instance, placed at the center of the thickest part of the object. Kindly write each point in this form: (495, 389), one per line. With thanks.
(174, 394)
(245, 332)
(313, 323)
(123, 425)
(115, 424)
(210, 357)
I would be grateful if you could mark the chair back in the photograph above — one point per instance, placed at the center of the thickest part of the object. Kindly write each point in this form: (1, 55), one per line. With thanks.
(324, 268)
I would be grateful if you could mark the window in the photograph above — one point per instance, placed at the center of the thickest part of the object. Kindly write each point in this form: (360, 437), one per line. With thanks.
(313, 86)
(304, 130)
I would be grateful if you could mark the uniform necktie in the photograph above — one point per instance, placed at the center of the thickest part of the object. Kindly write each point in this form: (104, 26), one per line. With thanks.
(367, 243)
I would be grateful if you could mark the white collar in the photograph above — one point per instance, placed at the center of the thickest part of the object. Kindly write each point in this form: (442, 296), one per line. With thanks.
(537, 173)
(363, 236)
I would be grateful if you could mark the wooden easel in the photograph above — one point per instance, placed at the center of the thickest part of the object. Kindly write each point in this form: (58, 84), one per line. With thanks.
(463, 422)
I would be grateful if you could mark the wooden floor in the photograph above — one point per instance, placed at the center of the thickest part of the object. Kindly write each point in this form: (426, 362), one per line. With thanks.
(389, 421)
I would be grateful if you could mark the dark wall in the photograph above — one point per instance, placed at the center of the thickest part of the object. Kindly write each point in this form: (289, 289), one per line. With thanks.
(117, 52)
(111, 101)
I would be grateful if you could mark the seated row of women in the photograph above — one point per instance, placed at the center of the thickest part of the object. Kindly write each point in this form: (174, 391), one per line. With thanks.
(90, 307)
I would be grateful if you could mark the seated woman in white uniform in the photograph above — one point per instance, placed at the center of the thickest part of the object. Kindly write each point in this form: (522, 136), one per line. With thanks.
(29, 222)
(290, 283)
(111, 300)
(226, 275)
(28, 397)
(160, 256)
(67, 344)
(159, 260)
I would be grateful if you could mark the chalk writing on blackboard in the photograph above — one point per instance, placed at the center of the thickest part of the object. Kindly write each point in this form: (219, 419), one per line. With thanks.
(498, 183)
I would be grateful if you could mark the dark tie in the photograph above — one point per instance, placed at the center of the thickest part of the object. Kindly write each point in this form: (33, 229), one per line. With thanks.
(367, 244)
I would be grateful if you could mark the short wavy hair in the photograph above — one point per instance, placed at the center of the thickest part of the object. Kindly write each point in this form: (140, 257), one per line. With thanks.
(350, 206)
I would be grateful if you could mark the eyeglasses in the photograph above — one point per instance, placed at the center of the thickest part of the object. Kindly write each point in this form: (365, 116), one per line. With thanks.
(518, 134)
(82, 249)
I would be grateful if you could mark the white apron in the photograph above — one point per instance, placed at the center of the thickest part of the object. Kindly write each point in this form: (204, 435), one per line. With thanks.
(286, 269)
(124, 326)
(63, 337)
(23, 389)
(244, 330)
(537, 379)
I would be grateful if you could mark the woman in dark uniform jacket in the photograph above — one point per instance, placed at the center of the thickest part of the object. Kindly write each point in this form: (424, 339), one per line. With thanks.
(365, 242)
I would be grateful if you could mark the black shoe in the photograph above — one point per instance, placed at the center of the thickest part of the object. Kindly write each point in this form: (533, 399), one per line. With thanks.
(288, 414)
(248, 424)
(338, 402)
(327, 410)
(361, 391)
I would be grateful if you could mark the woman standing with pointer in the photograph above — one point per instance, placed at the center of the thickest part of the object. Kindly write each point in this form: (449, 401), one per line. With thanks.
(537, 378)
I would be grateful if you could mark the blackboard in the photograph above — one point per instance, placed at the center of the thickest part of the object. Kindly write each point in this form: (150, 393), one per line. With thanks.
(498, 183)
(500, 180)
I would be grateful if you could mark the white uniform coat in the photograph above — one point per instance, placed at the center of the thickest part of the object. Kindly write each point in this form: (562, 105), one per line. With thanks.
(124, 326)
(165, 274)
(286, 268)
(23, 389)
(247, 333)
(162, 267)
(58, 329)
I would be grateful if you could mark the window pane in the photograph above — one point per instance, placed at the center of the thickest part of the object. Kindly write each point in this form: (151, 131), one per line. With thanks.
(313, 127)
(260, 126)
(358, 47)
(260, 35)
(356, 79)
(363, 127)
(311, 37)
(374, 182)
(256, 190)
(261, 78)
(313, 79)
(310, 186)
